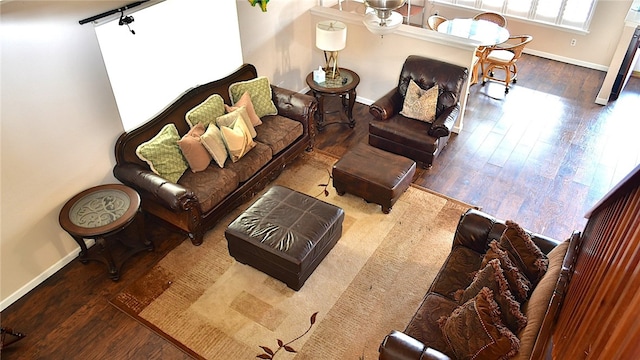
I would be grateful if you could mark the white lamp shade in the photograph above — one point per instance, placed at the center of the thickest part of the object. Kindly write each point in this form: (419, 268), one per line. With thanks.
(331, 35)
(382, 27)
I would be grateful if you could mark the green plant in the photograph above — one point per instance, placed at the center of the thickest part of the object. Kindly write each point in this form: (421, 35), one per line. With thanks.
(262, 3)
(270, 354)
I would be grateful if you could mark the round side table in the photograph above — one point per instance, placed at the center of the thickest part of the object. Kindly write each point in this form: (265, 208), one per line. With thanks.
(344, 86)
(106, 213)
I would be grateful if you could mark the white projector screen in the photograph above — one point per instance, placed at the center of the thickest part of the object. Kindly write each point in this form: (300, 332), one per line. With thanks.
(178, 44)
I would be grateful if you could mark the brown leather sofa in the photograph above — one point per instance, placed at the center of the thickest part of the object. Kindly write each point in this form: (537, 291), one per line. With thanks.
(423, 338)
(418, 140)
(195, 204)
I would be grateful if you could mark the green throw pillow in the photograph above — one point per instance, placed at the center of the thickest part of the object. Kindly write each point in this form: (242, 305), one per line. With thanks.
(260, 91)
(163, 154)
(207, 112)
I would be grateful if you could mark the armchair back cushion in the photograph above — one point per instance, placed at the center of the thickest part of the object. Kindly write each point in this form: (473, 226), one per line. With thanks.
(428, 72)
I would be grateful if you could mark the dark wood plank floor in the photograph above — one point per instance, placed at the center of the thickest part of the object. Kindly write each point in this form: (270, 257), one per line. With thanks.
(541, 155)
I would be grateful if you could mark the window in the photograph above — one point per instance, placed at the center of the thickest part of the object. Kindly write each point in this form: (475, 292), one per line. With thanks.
(571, 14)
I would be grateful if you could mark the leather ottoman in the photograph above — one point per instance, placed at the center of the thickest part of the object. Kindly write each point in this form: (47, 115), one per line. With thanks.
(377, 176)
(285, 234)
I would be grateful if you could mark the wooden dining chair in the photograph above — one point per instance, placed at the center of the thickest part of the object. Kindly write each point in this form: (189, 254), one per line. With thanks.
(504, 56)
(410, 9)
(434, 20)
(483, 51)
(494, 17)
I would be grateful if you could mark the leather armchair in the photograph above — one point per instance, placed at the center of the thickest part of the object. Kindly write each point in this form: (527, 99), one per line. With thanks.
(418, 140)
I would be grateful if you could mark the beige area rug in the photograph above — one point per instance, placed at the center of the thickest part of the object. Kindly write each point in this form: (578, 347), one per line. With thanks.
(372, 281)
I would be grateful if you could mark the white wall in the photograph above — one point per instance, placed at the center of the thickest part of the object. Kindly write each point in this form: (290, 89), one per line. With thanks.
(59, 126)
(277, 41)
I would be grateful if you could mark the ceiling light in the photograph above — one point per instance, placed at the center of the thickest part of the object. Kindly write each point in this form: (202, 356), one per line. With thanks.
(383, 20)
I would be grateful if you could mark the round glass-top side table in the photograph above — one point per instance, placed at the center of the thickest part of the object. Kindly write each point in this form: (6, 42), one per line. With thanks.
(344, 86)
(108, 214)
(99, 208)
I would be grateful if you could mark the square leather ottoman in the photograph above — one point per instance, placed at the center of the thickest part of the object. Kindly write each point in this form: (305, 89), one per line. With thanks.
(377, 176)
(285, 234)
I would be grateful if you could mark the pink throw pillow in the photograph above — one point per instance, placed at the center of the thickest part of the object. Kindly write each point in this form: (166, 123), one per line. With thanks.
(197, 156)
(245, 100)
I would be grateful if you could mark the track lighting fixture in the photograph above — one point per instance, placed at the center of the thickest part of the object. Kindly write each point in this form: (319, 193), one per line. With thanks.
(126, 20)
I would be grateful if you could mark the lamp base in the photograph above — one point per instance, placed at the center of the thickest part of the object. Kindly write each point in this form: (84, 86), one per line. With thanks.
(331, 73)
(331, 68)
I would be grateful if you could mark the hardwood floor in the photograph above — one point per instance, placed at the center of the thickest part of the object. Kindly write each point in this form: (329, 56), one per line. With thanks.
(542, 155)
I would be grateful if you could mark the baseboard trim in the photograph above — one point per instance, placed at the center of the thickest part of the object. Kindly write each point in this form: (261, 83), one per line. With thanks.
(567, 60)
(39, 279)
(5, 303)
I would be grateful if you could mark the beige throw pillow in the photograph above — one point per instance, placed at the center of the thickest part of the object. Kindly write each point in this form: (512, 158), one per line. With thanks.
(237, 139)
(213, 142)
(230, 118)
(420, 104)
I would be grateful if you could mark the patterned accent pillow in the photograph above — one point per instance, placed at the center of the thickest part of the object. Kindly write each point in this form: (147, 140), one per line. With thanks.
(474, 330)
(163, 154)
(207, 112)
(213, 142)
(237, 139)
(260, 91)
(526, 255)
(492, 277)
(245, 100)
(193, 150)
(519, 285)
(420, 104)
(230, 118)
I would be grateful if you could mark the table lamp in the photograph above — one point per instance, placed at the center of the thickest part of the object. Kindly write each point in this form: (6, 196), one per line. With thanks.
(331, 37)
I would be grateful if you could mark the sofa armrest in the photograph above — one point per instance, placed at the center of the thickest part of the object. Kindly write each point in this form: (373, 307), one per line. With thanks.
(171, 195)
(387, 106)
(296, 106)
(477, 229)
(474, 230)
(400, 346)
(443, 124)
